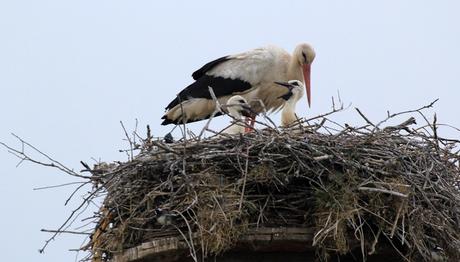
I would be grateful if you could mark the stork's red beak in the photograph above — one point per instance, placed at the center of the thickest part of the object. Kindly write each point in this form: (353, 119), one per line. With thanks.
(306, 77)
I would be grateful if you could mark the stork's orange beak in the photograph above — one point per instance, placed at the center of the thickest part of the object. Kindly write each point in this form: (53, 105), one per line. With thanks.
(306, 77)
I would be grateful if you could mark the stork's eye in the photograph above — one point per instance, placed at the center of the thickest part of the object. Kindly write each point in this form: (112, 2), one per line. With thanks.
(295, 84)
(242, 101)
(304, 57)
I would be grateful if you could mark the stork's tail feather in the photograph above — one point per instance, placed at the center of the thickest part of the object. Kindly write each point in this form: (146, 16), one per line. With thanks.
(167, 121)
(177, 121)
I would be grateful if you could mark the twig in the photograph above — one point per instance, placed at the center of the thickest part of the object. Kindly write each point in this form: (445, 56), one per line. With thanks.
(65, 232)
(24, 157)
(164, 147)
(386, 191)
(61, 185)
(245, 174)
(364, 117)
(404, 112)
(131, 144)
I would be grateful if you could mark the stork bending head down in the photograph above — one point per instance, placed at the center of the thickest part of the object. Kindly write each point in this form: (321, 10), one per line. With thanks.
(237, 107)
(250, 74)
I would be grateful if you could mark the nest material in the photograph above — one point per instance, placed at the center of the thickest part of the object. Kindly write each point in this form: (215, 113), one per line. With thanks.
(357, 187)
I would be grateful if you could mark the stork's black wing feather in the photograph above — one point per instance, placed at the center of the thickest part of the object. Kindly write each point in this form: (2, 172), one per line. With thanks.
(167, 121)
(202, 71)
(220, 85)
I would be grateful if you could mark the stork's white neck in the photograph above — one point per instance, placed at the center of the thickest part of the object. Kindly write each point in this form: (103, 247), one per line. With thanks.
(236, 128)
(288, 115)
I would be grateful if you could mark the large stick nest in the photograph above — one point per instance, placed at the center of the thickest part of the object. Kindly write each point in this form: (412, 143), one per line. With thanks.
(360, 187)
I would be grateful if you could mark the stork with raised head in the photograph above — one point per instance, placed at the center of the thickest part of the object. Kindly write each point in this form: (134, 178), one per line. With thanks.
(237, 107)
(250, 74)
(293, 95)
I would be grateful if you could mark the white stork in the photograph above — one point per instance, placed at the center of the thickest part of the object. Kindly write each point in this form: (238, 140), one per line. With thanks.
(295, 92)
(237, 107)
(250, 74)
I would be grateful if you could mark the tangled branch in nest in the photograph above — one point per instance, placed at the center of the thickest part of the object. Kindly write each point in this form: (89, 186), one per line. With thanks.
(358, 187)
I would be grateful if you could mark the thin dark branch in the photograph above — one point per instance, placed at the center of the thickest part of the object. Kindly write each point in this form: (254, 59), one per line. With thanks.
(57, 186)
(65, 232)
(364, 117)
(131, 144)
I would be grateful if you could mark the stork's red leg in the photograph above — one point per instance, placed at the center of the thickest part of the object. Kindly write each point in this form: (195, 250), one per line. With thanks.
(250, 122)
(247, 120)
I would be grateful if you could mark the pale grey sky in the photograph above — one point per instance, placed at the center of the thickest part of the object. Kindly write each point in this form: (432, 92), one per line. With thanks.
(71, 70)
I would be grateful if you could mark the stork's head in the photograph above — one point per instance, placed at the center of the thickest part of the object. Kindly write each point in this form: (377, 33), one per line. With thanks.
(304, 55)
(294, 90)
(237, 107)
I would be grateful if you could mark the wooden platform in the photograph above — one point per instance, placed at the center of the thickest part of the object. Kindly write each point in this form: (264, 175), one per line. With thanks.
(258, 245)
(257, 240)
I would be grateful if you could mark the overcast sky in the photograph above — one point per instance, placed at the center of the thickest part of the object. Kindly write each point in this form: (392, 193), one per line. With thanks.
(71, 70)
